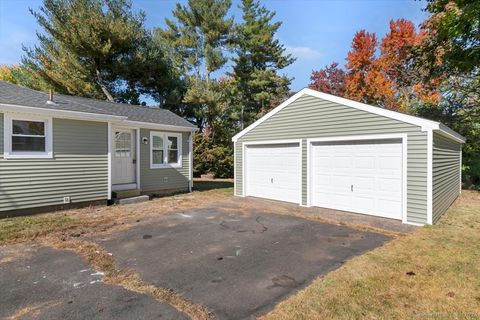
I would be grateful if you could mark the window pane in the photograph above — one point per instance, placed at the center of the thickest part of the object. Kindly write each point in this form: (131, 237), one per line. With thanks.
(172, 156)
(157, 143)
(157, 156)
(33, 128)
(36, 144)
(172, 143)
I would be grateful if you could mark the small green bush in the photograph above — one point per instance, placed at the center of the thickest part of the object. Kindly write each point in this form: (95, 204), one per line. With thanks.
(212, 158)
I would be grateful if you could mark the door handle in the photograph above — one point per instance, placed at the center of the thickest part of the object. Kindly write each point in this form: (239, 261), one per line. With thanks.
(271, 180)
(351, 188)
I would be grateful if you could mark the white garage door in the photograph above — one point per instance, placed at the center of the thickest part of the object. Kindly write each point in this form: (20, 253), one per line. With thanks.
(273, 172)
(361, 176)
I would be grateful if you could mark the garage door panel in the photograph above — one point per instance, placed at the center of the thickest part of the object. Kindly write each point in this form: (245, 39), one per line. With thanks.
(273, 172)
(373, 168)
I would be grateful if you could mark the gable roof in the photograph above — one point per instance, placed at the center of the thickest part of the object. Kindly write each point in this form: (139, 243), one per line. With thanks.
(425, 124)
(15, 96)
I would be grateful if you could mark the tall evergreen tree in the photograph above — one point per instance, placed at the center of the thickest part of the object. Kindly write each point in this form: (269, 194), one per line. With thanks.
(259, 57)
(199, 38)
(91, 48)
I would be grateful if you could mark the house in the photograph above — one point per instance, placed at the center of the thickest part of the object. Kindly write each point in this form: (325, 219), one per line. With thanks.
(321, 150)
(66, 150)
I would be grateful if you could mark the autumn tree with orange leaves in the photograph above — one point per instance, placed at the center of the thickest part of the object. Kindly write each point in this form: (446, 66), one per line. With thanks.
(381, 73)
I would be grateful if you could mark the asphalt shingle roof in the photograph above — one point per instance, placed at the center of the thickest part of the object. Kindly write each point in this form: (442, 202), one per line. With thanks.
(17, 95)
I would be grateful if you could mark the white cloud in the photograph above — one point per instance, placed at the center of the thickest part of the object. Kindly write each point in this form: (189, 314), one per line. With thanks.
(304, 53)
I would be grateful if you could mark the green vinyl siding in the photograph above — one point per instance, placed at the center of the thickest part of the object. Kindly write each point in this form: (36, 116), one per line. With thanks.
(1, 136)
(446, 174)
(311, 117)
(79, 168)
(163, 178)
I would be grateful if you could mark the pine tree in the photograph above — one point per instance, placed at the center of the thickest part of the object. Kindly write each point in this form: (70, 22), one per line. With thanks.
(259, 57)
(91, 48)
(198, 39)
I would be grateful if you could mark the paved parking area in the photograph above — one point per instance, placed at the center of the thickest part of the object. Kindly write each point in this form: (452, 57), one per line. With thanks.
(43, 283)
(237, 263)
(237, 257)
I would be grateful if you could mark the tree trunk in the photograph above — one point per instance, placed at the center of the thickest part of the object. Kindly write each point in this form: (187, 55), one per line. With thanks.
(103, 87)
(242, 121)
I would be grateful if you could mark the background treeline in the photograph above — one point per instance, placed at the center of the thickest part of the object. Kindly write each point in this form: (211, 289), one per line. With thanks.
(222, 74)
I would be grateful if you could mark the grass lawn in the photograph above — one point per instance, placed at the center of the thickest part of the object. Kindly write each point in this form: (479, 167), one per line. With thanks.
(432, 273)
(102, 218)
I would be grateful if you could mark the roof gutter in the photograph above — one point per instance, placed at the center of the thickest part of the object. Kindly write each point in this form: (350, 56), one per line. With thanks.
(60, 113)
(76, 115)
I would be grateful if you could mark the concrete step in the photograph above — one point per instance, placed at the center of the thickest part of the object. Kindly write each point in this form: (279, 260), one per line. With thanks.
(131, 200)
(125, 193)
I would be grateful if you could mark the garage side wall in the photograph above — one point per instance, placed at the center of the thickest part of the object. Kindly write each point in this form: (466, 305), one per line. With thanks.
(311, 117)
(446, 174)
(163, 179)
(79, 169)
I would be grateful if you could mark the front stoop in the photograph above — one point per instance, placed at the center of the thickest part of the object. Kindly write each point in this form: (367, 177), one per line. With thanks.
(125, 194)
(132, 200)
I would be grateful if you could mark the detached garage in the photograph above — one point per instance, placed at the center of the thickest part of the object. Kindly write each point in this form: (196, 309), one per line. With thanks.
(321, 150)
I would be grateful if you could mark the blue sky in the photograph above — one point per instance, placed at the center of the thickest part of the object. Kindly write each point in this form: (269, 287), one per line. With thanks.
(316, 32)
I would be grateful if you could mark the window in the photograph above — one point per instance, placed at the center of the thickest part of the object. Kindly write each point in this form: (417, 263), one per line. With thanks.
(27, 137)
(123, 144)
(165, 150)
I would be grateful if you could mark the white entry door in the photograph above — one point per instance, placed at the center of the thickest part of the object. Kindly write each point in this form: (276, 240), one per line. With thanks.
(273, 172)
(362, 176)
(123, 156)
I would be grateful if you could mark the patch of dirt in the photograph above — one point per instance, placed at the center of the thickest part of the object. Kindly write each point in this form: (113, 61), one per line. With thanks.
(33, 311)
(101, 261)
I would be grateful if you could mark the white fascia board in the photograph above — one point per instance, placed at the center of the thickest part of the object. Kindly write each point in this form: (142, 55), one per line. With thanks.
(157, 126)
(59, 113)
(268, 115)
(446, 131)
(76, 115)
(423, 123)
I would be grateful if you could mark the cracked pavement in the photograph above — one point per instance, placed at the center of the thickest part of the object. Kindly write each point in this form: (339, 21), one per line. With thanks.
(237, 260)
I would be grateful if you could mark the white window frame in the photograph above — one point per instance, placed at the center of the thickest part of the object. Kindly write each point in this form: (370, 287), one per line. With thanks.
(8, 153)
(165, 136)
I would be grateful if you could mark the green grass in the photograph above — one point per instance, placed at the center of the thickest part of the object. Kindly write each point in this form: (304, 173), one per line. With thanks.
(24, 228)
(432, 273)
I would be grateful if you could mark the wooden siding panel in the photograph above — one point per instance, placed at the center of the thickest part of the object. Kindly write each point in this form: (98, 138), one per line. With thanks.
(311, 117)
(446, 174)
(154, 179)
(79, 169)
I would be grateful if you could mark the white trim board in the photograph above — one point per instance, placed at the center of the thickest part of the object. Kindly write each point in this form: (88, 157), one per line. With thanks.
(88, 116)
(423, 123)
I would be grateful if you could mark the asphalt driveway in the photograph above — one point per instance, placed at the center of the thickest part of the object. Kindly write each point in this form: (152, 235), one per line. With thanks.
(236, 257)
(235, 262)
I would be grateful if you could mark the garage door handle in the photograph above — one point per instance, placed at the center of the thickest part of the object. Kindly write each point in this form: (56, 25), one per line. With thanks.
(351, 187)
(271, 180)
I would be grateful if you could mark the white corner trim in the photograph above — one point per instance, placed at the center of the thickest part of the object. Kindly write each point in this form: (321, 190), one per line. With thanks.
(460, 178)
(165, 136)
(430, 177)
(8, 117)
(235, 168)
(423, 123)
(402, 136)
(109, 157)
(190, 162)
(268, 142)
(137, 151)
